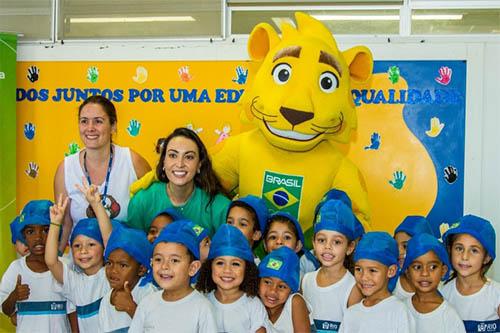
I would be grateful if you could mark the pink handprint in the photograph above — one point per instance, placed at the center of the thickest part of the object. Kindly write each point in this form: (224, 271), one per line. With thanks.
(184, 74)
(444, 77)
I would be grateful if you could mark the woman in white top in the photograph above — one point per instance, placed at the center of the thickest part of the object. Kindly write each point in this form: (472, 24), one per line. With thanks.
(103, 163)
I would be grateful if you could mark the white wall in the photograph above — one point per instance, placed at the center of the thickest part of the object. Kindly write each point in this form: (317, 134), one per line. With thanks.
(482, 154)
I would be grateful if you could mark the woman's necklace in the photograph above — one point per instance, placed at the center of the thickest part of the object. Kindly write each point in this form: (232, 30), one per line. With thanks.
(108, 173)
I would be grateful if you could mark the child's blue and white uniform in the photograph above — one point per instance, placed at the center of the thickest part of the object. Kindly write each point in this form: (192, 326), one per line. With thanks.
(46, 308)
(284, 323)
(400, 293)
(478, 311)
(308, 263)
(193, 313)
(111, 320)
(247, 314)
(389, 315)
(443, 319)
(86, 292)
(328, 303)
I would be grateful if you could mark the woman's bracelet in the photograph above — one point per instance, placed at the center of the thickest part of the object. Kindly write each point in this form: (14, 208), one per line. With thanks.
(56, 224)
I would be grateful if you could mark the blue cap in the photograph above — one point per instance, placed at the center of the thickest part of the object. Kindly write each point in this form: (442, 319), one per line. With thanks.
(36, 212)
(133, 241)
(230, 241)
(422, 243)
(414, 225)
(477, 227)
(283, 264)
(259, 207)
(334, 215)
(15, 233)
(291, 218)
(184, 232)
(379, 246)
(359, 230)
(88, 227)
(172, 212)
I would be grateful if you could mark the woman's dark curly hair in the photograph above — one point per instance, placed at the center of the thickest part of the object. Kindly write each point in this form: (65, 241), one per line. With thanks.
(249, 286)
(206, 178)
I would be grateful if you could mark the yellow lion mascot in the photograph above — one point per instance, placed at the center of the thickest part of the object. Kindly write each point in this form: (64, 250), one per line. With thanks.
(300, 101)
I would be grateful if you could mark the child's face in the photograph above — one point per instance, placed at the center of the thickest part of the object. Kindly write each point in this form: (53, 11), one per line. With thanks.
(273, 292)
(228, 272)
(172, 266)
(331, 247)
(157, 226)
(402, 239)
(242, 219)
(121, 267)
(426, 271)
(87, 253)
(36, 236)
(279, 235)
(372, 277)
(204, 248)
(21, 248)
(468, 255)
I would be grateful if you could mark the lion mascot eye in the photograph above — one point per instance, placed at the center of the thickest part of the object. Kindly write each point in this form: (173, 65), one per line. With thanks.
(282, 73)
(328, 82)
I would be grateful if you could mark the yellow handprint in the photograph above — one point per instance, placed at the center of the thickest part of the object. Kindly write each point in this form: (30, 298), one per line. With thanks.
(141, 75)
(436, 127)
(443, 227)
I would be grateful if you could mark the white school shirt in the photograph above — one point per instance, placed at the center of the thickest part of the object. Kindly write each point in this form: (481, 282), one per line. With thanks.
(306, 265)
(111, 320)
(284, 323)
(400, 293)
(443, 319)
(328, 303)
(46, 308)
(389, 315)
(193, 313)
(247, 314)
(121, 177)
(86, 292)
(478, 311)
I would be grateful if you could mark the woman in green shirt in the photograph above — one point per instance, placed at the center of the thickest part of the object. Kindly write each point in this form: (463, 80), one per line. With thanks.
(187, 182)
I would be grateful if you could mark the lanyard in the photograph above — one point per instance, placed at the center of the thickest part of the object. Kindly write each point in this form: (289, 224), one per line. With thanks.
(108, 173)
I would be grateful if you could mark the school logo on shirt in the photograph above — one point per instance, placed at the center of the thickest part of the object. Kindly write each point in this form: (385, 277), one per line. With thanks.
(274, 264)
(198, 229)
(282, 192)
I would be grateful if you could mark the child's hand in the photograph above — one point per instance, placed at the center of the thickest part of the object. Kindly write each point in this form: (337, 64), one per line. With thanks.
(22, 291)
(58, 209)
(122, 299)
(90, 191)
(13, 319)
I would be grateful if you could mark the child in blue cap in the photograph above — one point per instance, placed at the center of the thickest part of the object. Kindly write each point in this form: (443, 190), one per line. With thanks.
(376, 266)
(161, 220)
(287, 311)
(16, 238)
(426, 264)
(309, 262)
(249, 214)
(230, 279)
(331, 289)
(471, 245)
(283, 229)
(411, 225)
(85, 287)
(28, 290)
(177, 307)
(127, 258)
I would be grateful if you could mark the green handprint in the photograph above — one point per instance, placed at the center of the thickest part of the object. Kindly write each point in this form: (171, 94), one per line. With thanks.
(92, 74)
(134, 127)
(398, 180)
(394, 74)
(73, 149)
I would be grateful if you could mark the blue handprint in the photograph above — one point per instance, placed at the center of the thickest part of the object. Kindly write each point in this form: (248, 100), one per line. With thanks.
(375, 142)
(134, 126)
(398, 180)
(29, 131)
(241, 75)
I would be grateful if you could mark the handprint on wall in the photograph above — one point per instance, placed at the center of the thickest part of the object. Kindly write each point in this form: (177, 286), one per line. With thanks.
(92, 74)
(398, 180)
(29, 131)
(223, 134)
(32, 170)
(134, 126)
(33, 72)
(444, 77)
(374, 142)
(241, 75)
(184, 74)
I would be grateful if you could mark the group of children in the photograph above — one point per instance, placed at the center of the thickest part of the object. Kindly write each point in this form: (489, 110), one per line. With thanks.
(179, 278)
